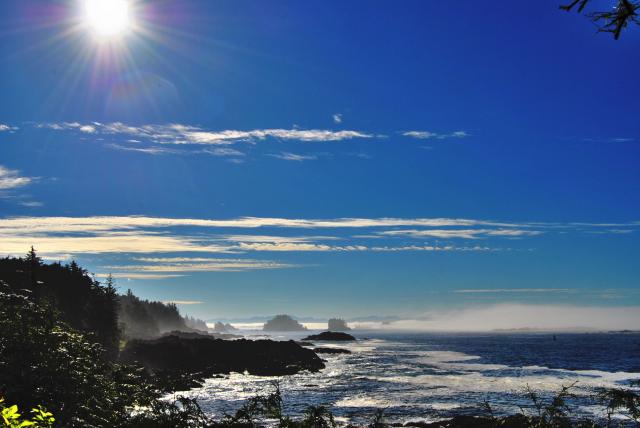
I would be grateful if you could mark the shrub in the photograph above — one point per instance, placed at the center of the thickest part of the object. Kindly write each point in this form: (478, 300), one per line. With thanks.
(40, 418)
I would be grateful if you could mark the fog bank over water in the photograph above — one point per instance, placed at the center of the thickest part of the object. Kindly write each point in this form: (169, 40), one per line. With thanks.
(508, 316)
(522, 316)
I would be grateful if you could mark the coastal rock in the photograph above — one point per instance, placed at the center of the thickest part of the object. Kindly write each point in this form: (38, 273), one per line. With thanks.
(331, 336)
(205, 354)
(283, 323)
(331, 351)
(194, 335)
(220, 327)
(337, 324)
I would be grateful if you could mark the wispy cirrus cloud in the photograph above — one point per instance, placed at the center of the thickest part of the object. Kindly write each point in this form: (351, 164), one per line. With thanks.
(136, 275)
(293, 156)
(152, 150)
(110, 223)
(180, 134)
(222, 151)
(425, 135)
(609, 139)
(197, 264)
(140, 235)
(461, 233)
(31, 204)
(171, 267)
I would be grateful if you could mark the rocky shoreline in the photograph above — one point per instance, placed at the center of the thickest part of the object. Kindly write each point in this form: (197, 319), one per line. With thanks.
(207, 356)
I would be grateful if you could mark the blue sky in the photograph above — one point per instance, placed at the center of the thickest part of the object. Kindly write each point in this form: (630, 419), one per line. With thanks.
(326, 158)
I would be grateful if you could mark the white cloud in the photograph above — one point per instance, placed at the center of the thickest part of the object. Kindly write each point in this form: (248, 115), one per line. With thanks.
(425, 135)
(11, 179)
(197, 264)
(7, 128)
(223, 151)
(186, 134)
(100, 243)
(421, 135)
(87, 129)
(293, 157)
(460, 233)
(31, 204)
(152, 150)
(275, 239)
(458, 134)
(109, 223)
(136, 275)
(151, 235)
(337, 118)
(310, 247)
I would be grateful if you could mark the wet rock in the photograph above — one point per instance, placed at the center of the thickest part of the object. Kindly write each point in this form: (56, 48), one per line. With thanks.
(331, 351)
(330, 336)
(204, 354)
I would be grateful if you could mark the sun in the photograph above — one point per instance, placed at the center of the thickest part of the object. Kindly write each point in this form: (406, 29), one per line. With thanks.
(107, 18)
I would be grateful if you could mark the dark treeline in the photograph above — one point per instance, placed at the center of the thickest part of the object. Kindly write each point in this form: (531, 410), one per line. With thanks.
(80, 301)
(144, 319)
(91, 307)
(59, 349)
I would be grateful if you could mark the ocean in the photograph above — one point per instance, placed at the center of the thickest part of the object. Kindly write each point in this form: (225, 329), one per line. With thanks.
(433, 376)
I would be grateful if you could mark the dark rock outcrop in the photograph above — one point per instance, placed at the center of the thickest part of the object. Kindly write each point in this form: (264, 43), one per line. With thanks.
(337, 324)
(331, 336)
(194, 335)
(209, 356)
(331, 351)
(219, 327)
(283, 323)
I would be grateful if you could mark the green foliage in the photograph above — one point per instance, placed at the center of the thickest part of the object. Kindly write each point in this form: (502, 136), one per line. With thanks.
(182, 412)
(40, 418)
(78, 299)
(621, 402)
(268, 406)
(553, 414)
(44, 361)
(318, 417)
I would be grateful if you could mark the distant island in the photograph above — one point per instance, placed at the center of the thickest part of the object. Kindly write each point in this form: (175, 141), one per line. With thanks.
(337, 324)
(283, 323)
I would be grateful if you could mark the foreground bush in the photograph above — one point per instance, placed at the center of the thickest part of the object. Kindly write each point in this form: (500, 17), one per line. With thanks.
(45, 362)
(11, 418)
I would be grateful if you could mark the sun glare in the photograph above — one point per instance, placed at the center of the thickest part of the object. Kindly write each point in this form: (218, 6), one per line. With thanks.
(107, 18)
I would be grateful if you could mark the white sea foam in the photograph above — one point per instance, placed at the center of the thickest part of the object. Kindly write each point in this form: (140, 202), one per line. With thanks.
(366, 401)
(401, 375)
